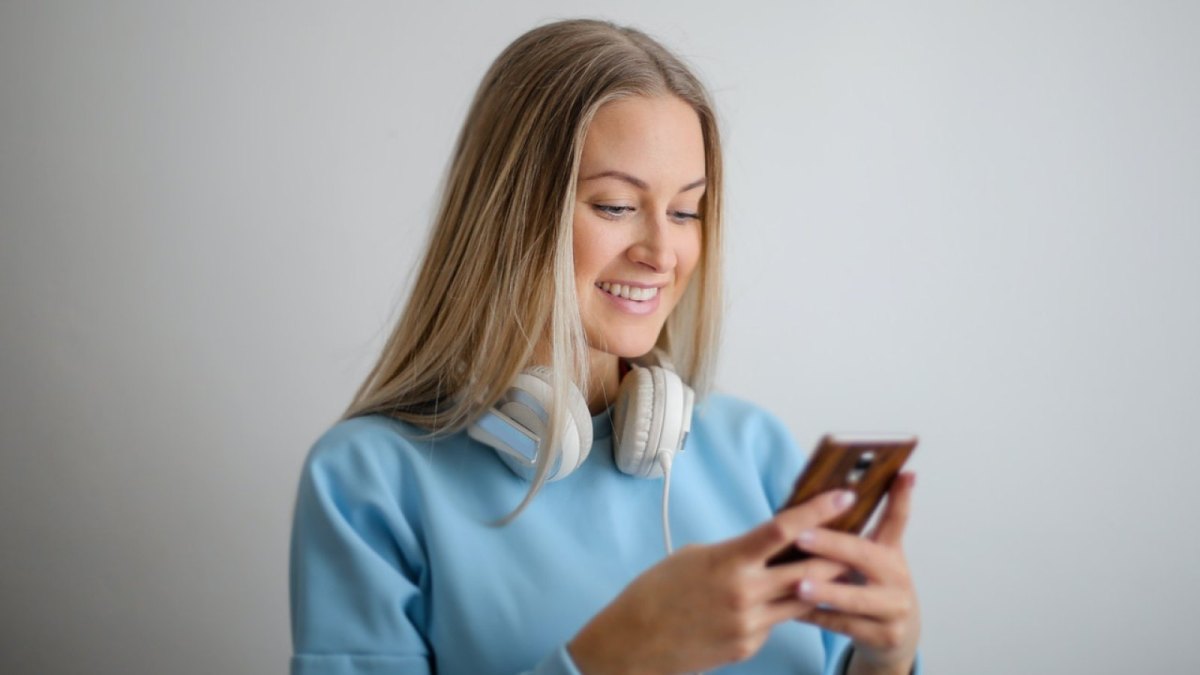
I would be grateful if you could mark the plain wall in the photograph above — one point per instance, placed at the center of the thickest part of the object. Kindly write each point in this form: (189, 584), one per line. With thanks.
(977, 221)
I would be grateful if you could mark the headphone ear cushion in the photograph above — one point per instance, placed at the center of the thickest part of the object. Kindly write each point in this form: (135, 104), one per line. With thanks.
(576, 442)
(634, 417)
(673, 407)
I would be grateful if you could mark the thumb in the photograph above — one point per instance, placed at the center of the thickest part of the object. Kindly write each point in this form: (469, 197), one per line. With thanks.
(764, 541)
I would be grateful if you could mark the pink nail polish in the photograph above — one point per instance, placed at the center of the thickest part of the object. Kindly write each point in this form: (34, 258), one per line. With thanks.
(805, 538)
(805, 588)
(843, 499)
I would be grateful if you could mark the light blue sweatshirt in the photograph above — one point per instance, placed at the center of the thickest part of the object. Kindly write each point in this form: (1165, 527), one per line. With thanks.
(395, 567)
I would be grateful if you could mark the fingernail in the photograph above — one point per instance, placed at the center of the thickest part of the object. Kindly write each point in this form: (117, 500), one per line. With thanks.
(806, 537)
(843, 499)
(805, 589)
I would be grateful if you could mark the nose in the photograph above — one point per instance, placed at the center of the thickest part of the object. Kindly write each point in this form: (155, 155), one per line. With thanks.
(654, 248)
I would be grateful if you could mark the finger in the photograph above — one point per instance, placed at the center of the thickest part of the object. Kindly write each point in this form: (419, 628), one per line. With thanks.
(859, 629)
(787, 609)
(890, 530)
(780, 532)
(879, 563)
(881, 603)
(780, 580)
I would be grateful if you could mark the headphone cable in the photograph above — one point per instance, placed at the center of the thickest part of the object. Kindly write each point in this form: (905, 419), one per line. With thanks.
(665, 462)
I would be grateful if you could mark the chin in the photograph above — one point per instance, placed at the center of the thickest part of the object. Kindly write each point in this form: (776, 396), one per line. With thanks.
(627, 347)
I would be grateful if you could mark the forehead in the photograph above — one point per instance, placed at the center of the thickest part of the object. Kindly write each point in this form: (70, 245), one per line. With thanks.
(655, 138)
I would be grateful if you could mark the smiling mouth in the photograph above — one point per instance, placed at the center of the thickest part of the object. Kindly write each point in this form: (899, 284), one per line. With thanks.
(628, 292)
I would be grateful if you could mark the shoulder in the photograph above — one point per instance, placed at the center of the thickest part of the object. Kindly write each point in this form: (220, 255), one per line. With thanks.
(363, 433)
(736, 435)
(723, 415)
(374, 435)
(363, 450)
(386, 456)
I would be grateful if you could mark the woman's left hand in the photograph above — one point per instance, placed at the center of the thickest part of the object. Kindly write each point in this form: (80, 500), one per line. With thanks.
(880, 614)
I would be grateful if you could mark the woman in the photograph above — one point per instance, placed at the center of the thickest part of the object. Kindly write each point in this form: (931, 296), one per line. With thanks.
(579, 232)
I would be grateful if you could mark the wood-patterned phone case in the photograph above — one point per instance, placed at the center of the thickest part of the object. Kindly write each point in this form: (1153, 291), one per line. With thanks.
(866, 466)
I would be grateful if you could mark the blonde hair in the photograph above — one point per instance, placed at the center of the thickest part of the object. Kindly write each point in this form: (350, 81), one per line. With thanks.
(483, 302)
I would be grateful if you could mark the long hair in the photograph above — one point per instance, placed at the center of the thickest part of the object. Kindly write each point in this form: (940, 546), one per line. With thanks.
(497, 278)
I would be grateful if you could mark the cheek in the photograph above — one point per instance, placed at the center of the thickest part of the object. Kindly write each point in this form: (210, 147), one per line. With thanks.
(581, 246)
(689, 255)
(591, 250)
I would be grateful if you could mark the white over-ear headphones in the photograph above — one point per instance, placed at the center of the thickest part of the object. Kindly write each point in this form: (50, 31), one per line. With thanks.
(651, 420)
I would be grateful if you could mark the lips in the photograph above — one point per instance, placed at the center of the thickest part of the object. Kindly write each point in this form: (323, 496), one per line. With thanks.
(632, 307)
(629, 291)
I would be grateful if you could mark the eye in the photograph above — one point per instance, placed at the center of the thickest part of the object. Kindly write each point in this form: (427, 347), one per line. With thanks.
(612, 212)
(685, 215)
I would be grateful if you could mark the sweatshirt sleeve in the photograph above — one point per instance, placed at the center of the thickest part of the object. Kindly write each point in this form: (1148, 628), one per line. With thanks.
(559, 662)
(838, 651)
(357, 564)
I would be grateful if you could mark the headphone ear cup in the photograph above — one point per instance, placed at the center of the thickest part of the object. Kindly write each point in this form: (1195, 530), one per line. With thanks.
(653, 415)
(576, 443)
(633, 417)
(516, 426)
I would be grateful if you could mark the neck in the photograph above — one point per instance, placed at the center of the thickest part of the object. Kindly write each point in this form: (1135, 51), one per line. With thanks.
(605, 380)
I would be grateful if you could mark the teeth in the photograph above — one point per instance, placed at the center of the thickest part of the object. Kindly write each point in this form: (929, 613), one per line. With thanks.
(628, 292)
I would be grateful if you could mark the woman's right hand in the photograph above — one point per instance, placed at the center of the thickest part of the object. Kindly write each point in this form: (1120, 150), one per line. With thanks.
(705, 606)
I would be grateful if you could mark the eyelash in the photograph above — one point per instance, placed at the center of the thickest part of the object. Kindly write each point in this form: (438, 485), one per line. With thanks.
(615, 212)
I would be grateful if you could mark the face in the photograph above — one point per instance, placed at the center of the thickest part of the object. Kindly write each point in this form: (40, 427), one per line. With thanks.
(637, 228)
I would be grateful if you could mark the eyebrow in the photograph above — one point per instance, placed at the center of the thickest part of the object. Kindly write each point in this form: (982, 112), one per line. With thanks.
(638, 182)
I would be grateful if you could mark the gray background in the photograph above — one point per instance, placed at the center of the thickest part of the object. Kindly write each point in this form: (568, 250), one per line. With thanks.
(974, 220)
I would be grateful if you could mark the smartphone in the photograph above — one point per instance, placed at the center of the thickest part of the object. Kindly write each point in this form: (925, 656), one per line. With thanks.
(863, 463)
